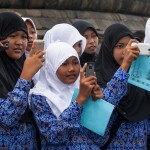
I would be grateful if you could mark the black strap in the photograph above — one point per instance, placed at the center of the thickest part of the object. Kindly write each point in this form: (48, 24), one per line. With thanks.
(113, 130)
(148, 142)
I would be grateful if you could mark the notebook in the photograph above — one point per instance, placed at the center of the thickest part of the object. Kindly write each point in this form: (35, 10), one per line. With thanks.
(140, 73)
(96, 114)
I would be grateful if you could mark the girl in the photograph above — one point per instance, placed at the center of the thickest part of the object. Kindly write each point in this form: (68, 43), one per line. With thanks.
(17, 129)
(32, 33)
(89, 32)
(129, 123)
(57, 117)
(65, 33)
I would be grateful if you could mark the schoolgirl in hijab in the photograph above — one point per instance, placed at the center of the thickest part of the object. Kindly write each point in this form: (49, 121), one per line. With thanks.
(17, 131)
(57, 117)
(32, 33)
(129, 123)
(64, 32)
(87, 30)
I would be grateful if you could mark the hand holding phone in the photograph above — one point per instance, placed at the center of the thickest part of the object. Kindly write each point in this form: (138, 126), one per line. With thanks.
(89, 69)
(143, 47)
(4, 44)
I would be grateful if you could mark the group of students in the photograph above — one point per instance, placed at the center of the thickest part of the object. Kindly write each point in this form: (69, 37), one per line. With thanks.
(40, 114)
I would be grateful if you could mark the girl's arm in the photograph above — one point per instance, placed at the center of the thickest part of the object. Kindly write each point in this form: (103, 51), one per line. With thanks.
(117, 87)
(15, 105)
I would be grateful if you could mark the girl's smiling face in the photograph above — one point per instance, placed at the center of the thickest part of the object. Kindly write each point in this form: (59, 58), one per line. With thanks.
(69, 71)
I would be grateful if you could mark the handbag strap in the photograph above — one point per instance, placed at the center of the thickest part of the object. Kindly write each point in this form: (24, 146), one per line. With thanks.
(113, 130)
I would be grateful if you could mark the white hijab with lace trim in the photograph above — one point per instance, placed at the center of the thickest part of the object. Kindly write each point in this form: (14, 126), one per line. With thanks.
(64, 33)
(58, 95)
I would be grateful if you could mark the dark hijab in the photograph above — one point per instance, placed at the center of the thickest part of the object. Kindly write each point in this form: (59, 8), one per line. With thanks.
(10, 70)
(82, 26)
(135, 105)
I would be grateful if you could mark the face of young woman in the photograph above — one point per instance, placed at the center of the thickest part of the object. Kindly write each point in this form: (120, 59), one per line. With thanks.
(78, 47)
(17, 44)
(119, 49)
(91, 41)
(68, 72)
(31, 33)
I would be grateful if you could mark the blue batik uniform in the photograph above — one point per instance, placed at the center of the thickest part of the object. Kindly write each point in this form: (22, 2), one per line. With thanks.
(66, 132)
(15, 135)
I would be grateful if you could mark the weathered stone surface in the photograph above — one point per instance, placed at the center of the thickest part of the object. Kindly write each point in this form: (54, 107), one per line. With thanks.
(138, 7)
(46, 18)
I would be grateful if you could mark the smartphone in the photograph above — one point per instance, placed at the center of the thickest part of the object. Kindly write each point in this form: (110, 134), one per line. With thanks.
(4, 44)
(143, 47)
(89, 69)
(38, 45)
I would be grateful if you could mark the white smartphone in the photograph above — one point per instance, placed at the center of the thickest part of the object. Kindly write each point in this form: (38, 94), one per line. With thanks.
(143, 47)
(38, 45)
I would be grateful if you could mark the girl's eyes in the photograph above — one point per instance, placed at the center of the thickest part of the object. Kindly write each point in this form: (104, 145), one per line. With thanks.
(76, 62)
(119, 46)
(32, 32)
(14, 35)
(94, 35)
(73, 63)
(64, 64)
(24, 37)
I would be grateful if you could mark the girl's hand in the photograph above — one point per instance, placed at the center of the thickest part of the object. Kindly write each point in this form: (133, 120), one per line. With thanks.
(97, 92)
(130, 54)
(32, 64)
(86, 86)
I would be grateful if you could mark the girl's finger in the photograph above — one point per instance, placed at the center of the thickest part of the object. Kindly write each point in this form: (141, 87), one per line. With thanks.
(82, 71)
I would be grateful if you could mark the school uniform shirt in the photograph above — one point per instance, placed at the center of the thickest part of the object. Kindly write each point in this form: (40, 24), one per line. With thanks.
(133, 107)
(16, 120)
(66, 132)
(14, 134)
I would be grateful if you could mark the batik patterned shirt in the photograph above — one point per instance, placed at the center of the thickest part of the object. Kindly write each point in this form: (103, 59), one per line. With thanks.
(15, 135)
(66, 132)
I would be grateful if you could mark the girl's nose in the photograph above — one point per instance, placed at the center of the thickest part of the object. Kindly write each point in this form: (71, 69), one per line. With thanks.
(19, 41)
(71, 68)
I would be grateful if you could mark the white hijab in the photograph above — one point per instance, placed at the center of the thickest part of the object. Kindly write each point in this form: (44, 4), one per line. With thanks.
(58, 95)
(147, 32)
(64, 33)
(31, 21)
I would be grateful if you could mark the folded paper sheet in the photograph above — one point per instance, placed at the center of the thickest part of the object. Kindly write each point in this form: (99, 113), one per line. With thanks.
(140, 73)
(96, 114)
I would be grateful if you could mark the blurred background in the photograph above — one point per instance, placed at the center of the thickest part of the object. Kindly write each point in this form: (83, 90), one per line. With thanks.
(101, 13)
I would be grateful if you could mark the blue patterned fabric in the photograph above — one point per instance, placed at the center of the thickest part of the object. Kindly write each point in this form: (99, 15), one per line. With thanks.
(15, 135)
(130, 136)
(66, 132)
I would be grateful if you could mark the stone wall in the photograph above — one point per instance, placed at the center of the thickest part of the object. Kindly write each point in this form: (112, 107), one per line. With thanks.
(138, 7)
(46, 18)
